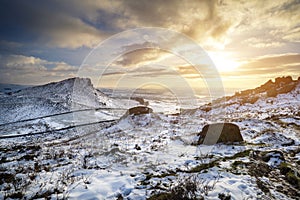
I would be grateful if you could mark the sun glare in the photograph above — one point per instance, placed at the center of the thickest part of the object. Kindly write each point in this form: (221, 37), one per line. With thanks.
(223, 62)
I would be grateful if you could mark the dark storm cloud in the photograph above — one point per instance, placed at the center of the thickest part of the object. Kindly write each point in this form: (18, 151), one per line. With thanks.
(46, 22)
(73, 24)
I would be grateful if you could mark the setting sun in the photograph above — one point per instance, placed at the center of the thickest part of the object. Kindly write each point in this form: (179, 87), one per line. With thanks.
(223, 62)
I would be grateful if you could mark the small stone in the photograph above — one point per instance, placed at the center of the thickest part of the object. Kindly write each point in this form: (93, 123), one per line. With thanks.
(137, 147)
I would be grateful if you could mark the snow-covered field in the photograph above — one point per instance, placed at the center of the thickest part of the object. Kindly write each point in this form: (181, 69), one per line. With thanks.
(97, 154)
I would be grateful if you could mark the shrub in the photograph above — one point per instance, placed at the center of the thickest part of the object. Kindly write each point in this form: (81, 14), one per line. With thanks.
(188, 188)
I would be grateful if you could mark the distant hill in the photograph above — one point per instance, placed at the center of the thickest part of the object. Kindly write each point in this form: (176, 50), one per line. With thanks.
(7, 88)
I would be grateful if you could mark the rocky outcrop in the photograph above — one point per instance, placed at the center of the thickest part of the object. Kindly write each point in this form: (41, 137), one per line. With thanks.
(281, 85)
(139, 110)
(283, 80)
(137, 117)
(52, 98)
(220, 133)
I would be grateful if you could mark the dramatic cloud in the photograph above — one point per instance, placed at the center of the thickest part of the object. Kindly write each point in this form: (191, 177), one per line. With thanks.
(198, 19)
(61, 30)
(85, 23)
(31, 70)
(266, 23)
(140, 57)
(49, 22)
(270, 65)
(73, 33)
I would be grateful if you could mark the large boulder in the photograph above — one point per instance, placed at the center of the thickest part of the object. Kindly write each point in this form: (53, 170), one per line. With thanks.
(220, 133)
(139, 110)
(136, 116)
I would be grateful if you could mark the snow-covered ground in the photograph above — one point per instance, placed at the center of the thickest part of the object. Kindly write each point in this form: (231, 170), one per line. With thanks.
(136, 157)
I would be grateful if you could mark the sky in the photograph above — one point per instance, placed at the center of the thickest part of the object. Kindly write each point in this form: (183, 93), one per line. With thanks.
(249, 42)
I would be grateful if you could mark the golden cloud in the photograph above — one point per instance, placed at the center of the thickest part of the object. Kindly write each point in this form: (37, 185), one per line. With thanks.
(270, 65)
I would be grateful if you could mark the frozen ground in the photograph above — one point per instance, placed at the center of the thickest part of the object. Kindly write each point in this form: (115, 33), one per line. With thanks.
(137, 157)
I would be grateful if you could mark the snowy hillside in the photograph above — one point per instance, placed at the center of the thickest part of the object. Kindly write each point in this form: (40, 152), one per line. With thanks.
(156, 155)
(53, 98)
